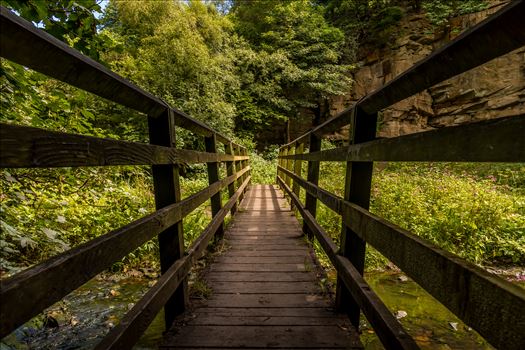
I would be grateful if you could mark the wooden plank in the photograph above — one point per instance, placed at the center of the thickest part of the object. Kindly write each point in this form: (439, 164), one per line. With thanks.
(24, 146)
(495, 140)
(213, 176)
(262, 234)
(469, 50)
(268, 300)
(214, 320)
(313, 177)
(261, 276)
(259, 267)
(268, 312)
(264, 337)
(25, 294)
(21, 39)
(264, 287)
(265, 253)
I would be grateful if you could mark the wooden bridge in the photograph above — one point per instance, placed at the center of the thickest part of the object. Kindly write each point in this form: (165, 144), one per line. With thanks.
(265, 293)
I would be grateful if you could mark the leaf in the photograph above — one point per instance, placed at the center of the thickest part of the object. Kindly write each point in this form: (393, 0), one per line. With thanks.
(51, 234)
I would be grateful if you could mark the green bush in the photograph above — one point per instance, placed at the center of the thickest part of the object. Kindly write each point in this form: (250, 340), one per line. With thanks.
(474, 210)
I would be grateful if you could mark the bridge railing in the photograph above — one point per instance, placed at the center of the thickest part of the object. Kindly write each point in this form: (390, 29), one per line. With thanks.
(490, 305)
(27, 293)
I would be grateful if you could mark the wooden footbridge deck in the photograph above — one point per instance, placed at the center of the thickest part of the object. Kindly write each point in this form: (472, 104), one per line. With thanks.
(265, 291)
(265, 288)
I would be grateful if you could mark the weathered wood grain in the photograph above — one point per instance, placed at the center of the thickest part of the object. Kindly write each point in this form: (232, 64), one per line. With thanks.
(496, 140)
(28, 147)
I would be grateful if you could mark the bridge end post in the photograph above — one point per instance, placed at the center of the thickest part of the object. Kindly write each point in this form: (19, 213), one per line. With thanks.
(210, 143)
(313, 177)
(358, 182)
(230, 170)
(167, 191)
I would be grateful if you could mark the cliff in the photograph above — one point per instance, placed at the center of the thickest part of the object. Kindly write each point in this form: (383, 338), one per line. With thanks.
(495, 89)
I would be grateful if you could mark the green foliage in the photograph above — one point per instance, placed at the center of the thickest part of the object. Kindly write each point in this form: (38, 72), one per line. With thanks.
(73, 22)
(473, 210)
(372, 22)
(441, 11)
(263, 168)
(303, 54)
(47, 211)
(179, 52)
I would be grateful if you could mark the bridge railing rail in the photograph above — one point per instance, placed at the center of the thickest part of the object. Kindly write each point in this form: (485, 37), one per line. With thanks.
(29, 292)
(485, 302)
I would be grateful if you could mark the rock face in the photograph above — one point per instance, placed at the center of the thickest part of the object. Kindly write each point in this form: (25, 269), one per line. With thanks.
(495, 89)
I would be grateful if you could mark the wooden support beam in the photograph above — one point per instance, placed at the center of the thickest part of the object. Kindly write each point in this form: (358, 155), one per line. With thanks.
(289, 163)
(230, 170)
(297, 166)
(312, 177)
(167, 191)
(494, 140)
(213, 176)
(358, 182)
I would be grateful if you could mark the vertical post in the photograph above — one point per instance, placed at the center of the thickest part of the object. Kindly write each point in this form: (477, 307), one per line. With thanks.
(167, 191)
(289, 164)
(313, 177)
(238, 168)
(279, 163)
(230, 170)
(210, 143)
(244, 165)
(358, 182)
(299, 149)
(283, 163)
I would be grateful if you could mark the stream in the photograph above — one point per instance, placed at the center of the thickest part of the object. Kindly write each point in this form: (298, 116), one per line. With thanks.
(86, 315)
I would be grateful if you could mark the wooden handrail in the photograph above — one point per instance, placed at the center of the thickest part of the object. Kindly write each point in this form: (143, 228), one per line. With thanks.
(485, 302)
(25, 294)
(443, 274)
(503, 30)
(137, 320)
(21, 39)
(28, 147)
(494, 140)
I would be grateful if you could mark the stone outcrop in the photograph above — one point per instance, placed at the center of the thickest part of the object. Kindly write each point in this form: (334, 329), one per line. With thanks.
(495, 89)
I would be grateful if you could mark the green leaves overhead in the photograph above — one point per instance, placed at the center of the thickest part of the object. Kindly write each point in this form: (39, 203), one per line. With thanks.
(307, 48)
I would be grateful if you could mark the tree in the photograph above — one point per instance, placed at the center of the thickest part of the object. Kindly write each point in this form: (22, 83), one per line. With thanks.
(302, 53)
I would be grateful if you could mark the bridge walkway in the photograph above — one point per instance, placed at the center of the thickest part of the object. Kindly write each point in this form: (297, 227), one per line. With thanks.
(265, 288)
